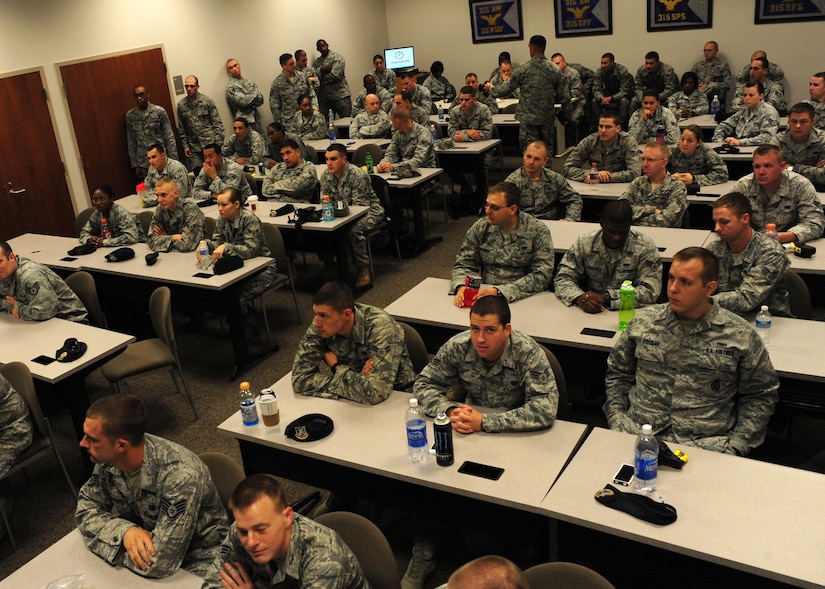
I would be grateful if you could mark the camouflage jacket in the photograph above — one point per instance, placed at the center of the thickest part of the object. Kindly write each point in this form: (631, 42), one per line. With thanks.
(291, 184)
(15, 425)
(541, 197)
(621, 160)
(542, 85)
(670, 198)
(200, 121)
(412, 149)
(253, 147)
(40, 294)
(187, 219)
(230, 175)
(751, 128)
(705, 165)
(175, 170)
(284, 93)
(122, 224)
(146, 127)
(243, 237)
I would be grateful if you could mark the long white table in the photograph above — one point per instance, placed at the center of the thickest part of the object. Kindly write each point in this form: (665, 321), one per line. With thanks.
(69, 555)
(752, 516)
(352, 145)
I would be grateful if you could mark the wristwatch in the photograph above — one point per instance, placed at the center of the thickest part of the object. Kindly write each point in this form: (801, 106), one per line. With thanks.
(334, 367)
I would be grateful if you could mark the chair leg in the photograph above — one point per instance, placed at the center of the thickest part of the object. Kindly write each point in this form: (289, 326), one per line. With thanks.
(59, 458)
(8, 529)
(295, 298)
(369, 256)
(266, 319)
(185, 388)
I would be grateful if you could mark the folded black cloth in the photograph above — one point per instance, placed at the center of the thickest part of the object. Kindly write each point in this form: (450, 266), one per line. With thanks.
(639, 506)
(726, 148)
(82, 250)
(207, 202)
(309, 427)
(283, 210)
(120, 254)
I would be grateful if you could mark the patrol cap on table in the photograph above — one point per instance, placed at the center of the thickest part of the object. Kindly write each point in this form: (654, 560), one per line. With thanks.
(120, 254)
(309, 427)
(227, 264)
(82, 250)
(71, 350)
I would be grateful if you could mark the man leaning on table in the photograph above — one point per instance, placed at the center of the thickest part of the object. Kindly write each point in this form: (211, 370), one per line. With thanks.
(352, 350)
(411, 145)
(545, 194)
(293, 179)
(597, 263)
(657, 198)
(32, 292)
(218, 173)
(150, 504)
(176, 225)
(493, 366)
(511, 250)
(698, 373)
(615, 153)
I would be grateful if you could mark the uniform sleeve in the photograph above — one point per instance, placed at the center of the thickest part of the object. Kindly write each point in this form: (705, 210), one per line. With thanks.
(184, 136)
(632, 161)
(101, 530)
(757, 284)
(809, 212)
(192, 231)
(168, 135)
(306, 367)
(619, 380)
(541, 269)
(571, 273)
(572, 200)
(43, 302)
(253, 237)
(217, 122)
(768, 125)
(124, 229)
(468, 258)
(90, 229)
(258, 149)
(437, 377)
(200, 188)
(131, 143)
(275, 101)
(671, 128)
(573, 167)
(15, 425)
(157, 243)
(379, 129)
(298, 184)
(717, 171)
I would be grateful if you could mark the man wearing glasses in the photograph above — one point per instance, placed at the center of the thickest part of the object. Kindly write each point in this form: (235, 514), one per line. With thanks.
(656, 197)
(511, 250)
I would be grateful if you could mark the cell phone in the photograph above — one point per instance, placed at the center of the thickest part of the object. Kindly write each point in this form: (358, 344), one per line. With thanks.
(598, 332)
(44, 360)
(68, 259)
(202, 275)
(624, 475)
(484, 471)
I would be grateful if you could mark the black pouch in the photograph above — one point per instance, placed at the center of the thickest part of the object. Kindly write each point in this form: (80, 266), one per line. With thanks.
(227, 264)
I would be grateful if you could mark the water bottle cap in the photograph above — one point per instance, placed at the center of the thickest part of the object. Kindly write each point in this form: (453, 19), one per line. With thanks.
(244, 386)
(764, 307)
(647, 429)
(413, 402)
(771, 226)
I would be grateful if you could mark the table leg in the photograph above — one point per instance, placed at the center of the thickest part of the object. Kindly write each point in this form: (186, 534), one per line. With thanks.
(237, 332)
(422, 242)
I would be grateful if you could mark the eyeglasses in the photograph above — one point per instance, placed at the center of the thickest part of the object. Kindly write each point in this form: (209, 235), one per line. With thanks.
(652, 159)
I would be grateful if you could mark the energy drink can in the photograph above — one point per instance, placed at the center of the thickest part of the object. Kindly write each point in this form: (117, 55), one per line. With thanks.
(443, 430)
(472, 285)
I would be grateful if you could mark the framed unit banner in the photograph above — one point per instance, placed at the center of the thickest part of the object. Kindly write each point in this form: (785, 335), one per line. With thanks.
(575, 18)
(667, 15)
(496, 20)
(774, 11)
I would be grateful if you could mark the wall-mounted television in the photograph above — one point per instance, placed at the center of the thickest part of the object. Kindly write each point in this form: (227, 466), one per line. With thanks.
(399, 58)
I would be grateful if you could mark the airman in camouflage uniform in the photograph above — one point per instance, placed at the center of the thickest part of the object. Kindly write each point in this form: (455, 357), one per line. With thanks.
(173, 169)
(419, 95)
(480, 119)
(819, 110)
(696, 103)
(286, 88)
(662, 206)
(253, 148)
(367, 126)
(803, 153)
(229, 175)
(171, 496)
(483, 96)
(145, 126)
(122, 224)
(708, 382)
(276, 138)
(775, 71)
(286, 183)
(704, 165)
(542, 85)
(184, 218)
(590, 265)
(659, 77)
(518, 379)
(243, 96)
(386, 78)
(518, 263)
(614, 83)
(621, 159)
(355, 188)
(774, 95)
(308, 126)
(644, 131)
(384, 97)
(411, 145)
(36, 293)
(574, 81)
(541, 197)
(333, 92)
(200, 121)
(439, 87)
(15, 425)
(714, 73)
(364, 341)
(750, 127)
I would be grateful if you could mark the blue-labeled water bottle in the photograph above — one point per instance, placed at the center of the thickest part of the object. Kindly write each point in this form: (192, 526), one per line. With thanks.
(715, 104)
(763, 325)
(327, 210)
(646, 465)
(249, 411)
(416, 432)
(627, 304)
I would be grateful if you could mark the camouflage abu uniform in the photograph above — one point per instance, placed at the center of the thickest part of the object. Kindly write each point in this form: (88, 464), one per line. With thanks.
(519, 263)
(439, 88)
(774, 95)
(384, 98)
(375, 335)
(386, 79)
(146, 127)
(122, 224)
(175, 170)
(804, 156)
(253, 147)
(414, 149)
(421, 97)
(367, 126)
(618, 85)
(40, 294)
(229, 175)
(712, 386)
(333, 91)
(244, 237)
(173, 497)
(621, 160)
(716, 74)
(355, 188)
(775, 73)
(284, 93)
(751, 128)
(645, 131)
(670, 198)
(542, 85)
(317, 558)
(705, 165)
(187, 219)
(664, 81)
(696, 102)
(541, 197)
(483, 98)
(520, 381)
(590, 265)
(15, 425)
(287, 184)
(480, 119)
(753, 277)
(819, 112)
(793, 207)
(308, 128)
(201, 125)
(244, 98)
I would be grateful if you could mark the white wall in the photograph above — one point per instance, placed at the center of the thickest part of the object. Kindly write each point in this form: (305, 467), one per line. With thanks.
(198, 37)
(440, 29)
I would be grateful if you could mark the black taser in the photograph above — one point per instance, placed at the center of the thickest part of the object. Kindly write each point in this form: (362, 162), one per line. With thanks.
(443, 430)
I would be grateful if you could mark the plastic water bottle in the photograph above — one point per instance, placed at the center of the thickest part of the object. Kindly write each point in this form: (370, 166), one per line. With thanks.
(327, 210)
(434, 132)
(105, 228)
(331, 131)
(203, 255)
(627, 304)
(660, 132)
(370, 164)
(646, 465)
(715, 105)
(416, 432)
(249, 411)
(594, 177)
(440, 112)
(763, 325)
(770, 232)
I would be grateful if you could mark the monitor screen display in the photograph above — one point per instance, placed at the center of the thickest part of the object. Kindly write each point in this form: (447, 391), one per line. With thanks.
(399, 58)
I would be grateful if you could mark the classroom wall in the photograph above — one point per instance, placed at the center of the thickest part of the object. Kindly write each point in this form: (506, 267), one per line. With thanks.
(440, 29)
(198, 36)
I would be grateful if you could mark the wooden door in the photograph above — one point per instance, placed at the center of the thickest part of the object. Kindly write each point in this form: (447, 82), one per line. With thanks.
(34, 195)
(99, 93)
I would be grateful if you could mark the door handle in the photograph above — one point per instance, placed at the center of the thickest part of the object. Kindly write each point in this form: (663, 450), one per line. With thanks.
(16, 191)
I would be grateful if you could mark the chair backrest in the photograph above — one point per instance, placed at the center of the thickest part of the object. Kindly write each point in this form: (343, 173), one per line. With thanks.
(312, 154)
(368, 545)
(359, 158)
(415, 347)
(20, 377)
(277, 249)
(160, 309)
(563, 411)
(565, 574)
(83, 285)
(558, 161)
(209, 225)
(81, 219)
(226, 474)
(145, 219)
(800, 296)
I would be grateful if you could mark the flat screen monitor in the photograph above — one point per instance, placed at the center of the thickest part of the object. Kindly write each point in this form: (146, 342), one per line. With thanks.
(399, 58)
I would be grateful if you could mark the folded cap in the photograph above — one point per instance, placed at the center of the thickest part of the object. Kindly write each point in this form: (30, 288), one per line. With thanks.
(309, 427)
(71, 350)
(120, 254)
(82, 250)
(227, 264)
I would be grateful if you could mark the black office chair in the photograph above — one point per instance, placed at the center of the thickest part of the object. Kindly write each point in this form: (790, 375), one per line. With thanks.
(388, 223)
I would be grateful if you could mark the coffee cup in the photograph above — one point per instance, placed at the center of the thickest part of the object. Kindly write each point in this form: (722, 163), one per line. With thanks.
(268, 405)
